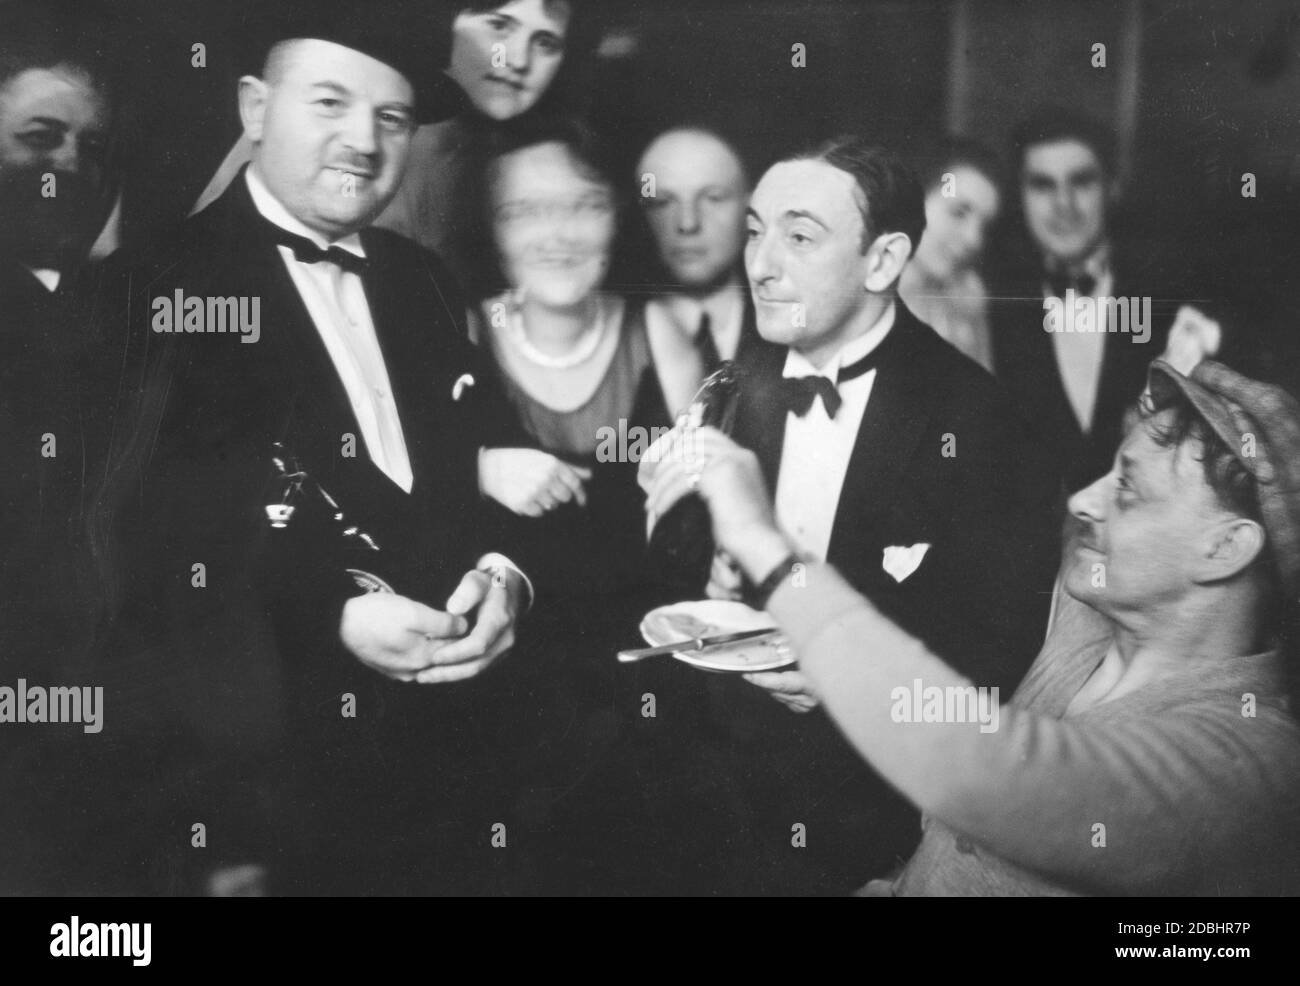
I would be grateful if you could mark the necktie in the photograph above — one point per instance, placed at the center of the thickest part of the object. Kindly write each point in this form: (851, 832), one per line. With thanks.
(1059, 281)
(308, 252)
(708, 349)
(798, 392)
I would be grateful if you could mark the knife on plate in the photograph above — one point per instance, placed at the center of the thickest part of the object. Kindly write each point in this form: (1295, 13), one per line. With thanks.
(696, 644)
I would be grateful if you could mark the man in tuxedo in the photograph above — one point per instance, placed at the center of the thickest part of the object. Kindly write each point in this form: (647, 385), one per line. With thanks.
(891, 456)
(1076, 379)
(321, 441)
(693, 189)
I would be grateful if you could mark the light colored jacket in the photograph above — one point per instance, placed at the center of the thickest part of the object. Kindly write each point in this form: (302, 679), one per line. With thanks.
(1173, 789)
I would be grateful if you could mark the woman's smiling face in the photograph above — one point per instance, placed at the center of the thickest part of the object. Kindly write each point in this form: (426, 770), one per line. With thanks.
(554, 224)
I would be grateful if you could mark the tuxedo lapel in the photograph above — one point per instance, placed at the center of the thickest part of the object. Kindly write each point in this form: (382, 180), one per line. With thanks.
(413, 355)
(750, 340)
(891, 427)
(1115, 370)
(1123, 370)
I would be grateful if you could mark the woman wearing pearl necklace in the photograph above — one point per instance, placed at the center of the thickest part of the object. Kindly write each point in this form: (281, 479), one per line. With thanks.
(576, 361)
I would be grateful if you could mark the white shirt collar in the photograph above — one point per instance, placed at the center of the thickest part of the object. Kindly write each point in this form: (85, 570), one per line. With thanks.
(49, 278)
(273, 211)
(798, 365)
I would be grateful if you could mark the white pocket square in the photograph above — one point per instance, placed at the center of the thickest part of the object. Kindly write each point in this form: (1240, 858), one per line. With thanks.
(901, 562)
(458, 388)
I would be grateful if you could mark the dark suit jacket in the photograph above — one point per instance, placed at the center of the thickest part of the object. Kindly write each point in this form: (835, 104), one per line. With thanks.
(53, 406)
(365, 787)
(978, 598)
(58, 375)
(1025, 362)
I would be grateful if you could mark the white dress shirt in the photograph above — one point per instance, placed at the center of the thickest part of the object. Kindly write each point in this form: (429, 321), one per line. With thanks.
(725, 308)
(1079, 355)
(816, 451)
(336, 301)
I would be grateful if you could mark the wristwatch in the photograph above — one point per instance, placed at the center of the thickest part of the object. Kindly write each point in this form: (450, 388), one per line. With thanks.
(786, 567)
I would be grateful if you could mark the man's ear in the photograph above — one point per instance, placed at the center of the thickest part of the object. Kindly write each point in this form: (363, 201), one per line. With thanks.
(253, 94)
(1230, 547)
(886, 258)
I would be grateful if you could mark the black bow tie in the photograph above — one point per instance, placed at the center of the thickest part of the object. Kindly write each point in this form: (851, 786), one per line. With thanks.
(1059, 281)
(798, 392)
(309, 253)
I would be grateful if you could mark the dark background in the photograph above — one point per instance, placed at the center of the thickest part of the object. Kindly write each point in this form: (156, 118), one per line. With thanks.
(1198, 93)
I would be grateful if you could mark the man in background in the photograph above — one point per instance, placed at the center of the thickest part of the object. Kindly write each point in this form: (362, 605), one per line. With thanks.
(693, 187)
(57, 183)
(1077, 313)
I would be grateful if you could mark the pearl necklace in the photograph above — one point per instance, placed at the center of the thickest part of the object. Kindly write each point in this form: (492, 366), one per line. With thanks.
(582, 352)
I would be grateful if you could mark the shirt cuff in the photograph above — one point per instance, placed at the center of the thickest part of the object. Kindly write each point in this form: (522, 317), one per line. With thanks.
(494, 559)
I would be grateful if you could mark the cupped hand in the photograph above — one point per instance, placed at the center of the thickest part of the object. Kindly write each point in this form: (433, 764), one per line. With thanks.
(530, 482)
(394, 635)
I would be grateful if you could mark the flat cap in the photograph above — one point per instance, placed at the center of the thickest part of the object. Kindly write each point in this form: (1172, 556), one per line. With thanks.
(1260, 424)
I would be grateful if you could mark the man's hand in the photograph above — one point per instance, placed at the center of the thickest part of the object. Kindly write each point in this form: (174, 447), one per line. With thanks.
(530, 482)
(408, 641)
(791, 688)
(496, 598)
(661, 450)
(725, 580)
(729, 479)
(727, 476)
(395, 635)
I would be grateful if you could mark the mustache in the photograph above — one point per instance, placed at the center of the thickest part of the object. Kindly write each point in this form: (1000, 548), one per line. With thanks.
(359, 162)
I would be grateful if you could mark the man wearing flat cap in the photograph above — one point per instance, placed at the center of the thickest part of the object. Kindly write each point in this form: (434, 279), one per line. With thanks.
(307, 443)
(1152, 747)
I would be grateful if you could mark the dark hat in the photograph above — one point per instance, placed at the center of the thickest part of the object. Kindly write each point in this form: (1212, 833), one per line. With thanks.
(1250, 417)
(411, 36)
